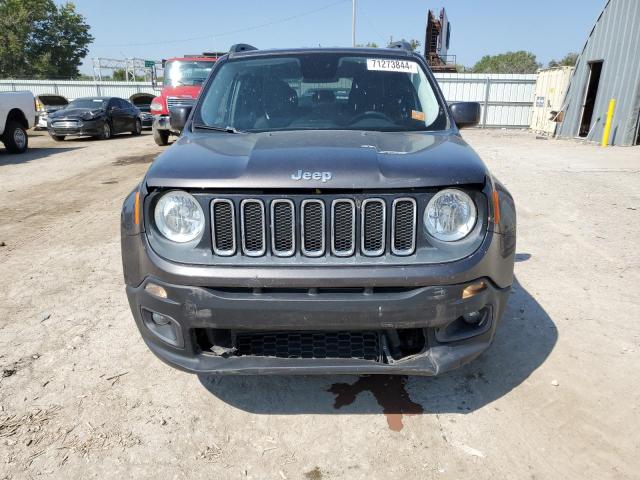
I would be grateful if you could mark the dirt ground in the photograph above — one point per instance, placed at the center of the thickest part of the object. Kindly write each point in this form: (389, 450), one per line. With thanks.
(557, 396)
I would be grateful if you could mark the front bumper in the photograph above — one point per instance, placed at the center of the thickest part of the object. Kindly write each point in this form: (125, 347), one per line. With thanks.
(429, 309)
(81, 128)
(161, 122)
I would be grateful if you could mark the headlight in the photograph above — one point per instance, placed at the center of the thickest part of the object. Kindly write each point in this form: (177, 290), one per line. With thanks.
(450, 215)
(179, 216)
(157, 106)
(91, 115)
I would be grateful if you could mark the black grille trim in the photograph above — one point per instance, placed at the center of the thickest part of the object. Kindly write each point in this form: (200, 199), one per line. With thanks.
(403, 243)
(283, 232)
(373, 230)
(306, 227)
(314, 227)
(217, 233)
(343, 231)
(248, 229)
(363, 345)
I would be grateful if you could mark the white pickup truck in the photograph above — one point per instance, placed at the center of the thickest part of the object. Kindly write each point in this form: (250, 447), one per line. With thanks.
(17, 115)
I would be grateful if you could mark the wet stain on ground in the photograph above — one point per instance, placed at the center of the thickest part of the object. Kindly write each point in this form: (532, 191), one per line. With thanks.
(389, 391)
(130, 159)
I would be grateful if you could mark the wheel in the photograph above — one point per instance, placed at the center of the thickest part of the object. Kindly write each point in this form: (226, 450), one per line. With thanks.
(161, 137)
(105, 134)
(15, 138)
(58, 138)
(138, 128)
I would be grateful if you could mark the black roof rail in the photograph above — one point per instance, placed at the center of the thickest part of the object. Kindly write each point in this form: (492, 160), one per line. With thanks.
(402, 45)
(241, 47)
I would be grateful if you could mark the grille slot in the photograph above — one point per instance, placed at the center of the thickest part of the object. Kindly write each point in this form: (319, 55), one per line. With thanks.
(363, 345)
(223, 227)
(253, 227)
(343, 227)
(372, 232)
(403, 226)
(283, 228)
(312, 220)
(179, 102)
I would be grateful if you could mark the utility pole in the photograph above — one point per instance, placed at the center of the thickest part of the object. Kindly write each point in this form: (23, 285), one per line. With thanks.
(353, 25)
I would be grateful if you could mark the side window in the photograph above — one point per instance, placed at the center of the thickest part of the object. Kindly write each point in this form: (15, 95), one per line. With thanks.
(112, 103)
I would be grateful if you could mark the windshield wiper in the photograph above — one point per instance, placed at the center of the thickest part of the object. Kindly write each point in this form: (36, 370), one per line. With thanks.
(218, 129)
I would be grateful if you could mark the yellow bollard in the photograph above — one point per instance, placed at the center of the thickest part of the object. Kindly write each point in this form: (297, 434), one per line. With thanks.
(607, 126)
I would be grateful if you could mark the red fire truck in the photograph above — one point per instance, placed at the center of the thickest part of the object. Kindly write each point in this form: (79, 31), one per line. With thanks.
(182, 82)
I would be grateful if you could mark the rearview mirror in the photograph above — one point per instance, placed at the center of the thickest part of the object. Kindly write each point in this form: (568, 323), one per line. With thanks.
(465, 114)
(178, 117)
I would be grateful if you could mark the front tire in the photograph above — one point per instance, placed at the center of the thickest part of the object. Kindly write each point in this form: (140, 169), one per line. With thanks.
(138, 128)
(105, 134)
(161, 137)
(15, 138)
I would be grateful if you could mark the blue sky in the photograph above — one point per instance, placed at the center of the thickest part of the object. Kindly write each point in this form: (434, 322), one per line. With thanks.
(164, 28)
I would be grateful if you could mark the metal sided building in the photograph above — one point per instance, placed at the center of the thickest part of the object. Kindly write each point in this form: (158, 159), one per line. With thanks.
(608, 68)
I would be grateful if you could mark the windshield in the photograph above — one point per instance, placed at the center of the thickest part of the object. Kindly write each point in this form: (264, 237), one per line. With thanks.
(321, 91)
(92, 103)
(180, 72)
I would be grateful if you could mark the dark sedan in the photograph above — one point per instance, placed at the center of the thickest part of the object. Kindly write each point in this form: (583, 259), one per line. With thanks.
(100, 117)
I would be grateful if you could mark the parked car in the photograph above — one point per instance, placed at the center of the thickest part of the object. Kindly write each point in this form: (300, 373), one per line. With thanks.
(47, 104)
(145, 116)
(143, 102)
(360, 237)
(100, 117)
(17, 115)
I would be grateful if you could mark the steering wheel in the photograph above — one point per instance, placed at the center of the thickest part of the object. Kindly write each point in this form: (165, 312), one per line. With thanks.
(371, 114)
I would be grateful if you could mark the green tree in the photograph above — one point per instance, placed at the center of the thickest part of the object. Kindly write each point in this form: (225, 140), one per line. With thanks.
(368, 45)
(569, 60)
(510, 62)
(119, 74)
(40, 39)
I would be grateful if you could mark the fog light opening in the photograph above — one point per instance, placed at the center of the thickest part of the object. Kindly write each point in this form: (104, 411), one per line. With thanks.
(473, 289)
(156, 290)
(163, 327)
(160, 320)
(473, 318)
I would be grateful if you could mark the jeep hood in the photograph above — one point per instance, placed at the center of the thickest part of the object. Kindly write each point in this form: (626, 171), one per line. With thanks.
(354, 159)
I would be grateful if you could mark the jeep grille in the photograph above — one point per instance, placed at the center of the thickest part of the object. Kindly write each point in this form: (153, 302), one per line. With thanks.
(314, 227)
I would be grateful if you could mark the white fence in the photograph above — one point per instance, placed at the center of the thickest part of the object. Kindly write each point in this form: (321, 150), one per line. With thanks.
(78, 88)
(506, 100)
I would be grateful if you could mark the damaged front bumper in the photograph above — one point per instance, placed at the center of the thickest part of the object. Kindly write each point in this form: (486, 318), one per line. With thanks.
(432, 317)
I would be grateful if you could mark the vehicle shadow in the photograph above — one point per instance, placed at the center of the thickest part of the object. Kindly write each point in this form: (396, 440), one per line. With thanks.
(33, 153)
(525, 338)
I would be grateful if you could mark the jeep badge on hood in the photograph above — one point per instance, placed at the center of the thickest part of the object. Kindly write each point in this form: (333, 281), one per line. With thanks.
(301, 175)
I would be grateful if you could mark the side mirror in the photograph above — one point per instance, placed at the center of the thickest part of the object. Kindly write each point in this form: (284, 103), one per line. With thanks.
(178, 117)
(465, 114)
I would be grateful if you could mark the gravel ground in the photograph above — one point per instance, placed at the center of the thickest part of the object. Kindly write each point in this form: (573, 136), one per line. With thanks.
(556, 396)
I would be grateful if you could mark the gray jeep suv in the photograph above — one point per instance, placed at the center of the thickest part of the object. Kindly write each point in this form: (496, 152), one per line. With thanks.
(320, 213)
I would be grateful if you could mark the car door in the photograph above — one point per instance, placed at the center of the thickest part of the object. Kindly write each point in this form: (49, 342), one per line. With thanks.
(118, 116)
(131, 114)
